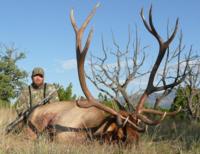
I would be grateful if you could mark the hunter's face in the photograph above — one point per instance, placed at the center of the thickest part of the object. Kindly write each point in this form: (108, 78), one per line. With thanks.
(38, 80)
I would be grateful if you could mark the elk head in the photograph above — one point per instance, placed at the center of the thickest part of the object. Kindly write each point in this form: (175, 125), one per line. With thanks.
(125, 124)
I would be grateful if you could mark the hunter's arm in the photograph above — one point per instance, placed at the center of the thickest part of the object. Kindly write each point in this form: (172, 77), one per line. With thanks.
(22, 102)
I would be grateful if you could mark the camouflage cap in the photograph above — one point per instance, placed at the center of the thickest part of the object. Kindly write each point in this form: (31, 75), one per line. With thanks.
(38, 71)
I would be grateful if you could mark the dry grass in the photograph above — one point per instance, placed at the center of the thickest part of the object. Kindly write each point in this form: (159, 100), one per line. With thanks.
(163, 139)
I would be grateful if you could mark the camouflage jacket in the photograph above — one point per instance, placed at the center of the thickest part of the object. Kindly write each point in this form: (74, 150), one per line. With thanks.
(31, 96)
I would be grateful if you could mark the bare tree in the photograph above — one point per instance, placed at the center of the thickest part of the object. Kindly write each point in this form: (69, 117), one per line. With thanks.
(113, 79)
(169, 70)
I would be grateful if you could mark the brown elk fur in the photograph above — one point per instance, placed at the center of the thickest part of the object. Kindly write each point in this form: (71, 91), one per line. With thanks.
(65, 121)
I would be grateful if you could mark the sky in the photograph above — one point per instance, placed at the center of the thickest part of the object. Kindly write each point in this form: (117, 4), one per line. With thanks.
(42, 29)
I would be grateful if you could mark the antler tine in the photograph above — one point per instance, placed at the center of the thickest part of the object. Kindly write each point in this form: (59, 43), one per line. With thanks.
(154, 32)
(73, 21)
(146, 120)
(86, 47)
(79, 31)
(144, 21)
(151, 122)
(92, 13)
(150, 27)
(173, 34)
(93, 102)
(153, 111)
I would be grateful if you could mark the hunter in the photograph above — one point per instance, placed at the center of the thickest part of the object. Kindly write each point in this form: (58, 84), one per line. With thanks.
(35, 92)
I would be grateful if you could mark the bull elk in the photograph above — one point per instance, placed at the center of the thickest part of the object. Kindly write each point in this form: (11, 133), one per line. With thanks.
(90, 119)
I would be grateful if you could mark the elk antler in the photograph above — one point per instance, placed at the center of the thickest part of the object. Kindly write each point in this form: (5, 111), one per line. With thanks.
(163, 46)
(80, 55)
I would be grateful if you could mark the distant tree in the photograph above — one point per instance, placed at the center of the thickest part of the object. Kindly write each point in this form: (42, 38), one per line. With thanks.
(12, 78)
(65, 94)
(188, 96)
(107, 101)
(180, 100)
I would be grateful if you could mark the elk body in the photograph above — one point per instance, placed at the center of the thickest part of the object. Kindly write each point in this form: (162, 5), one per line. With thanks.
(90, 119)
(65, 121)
